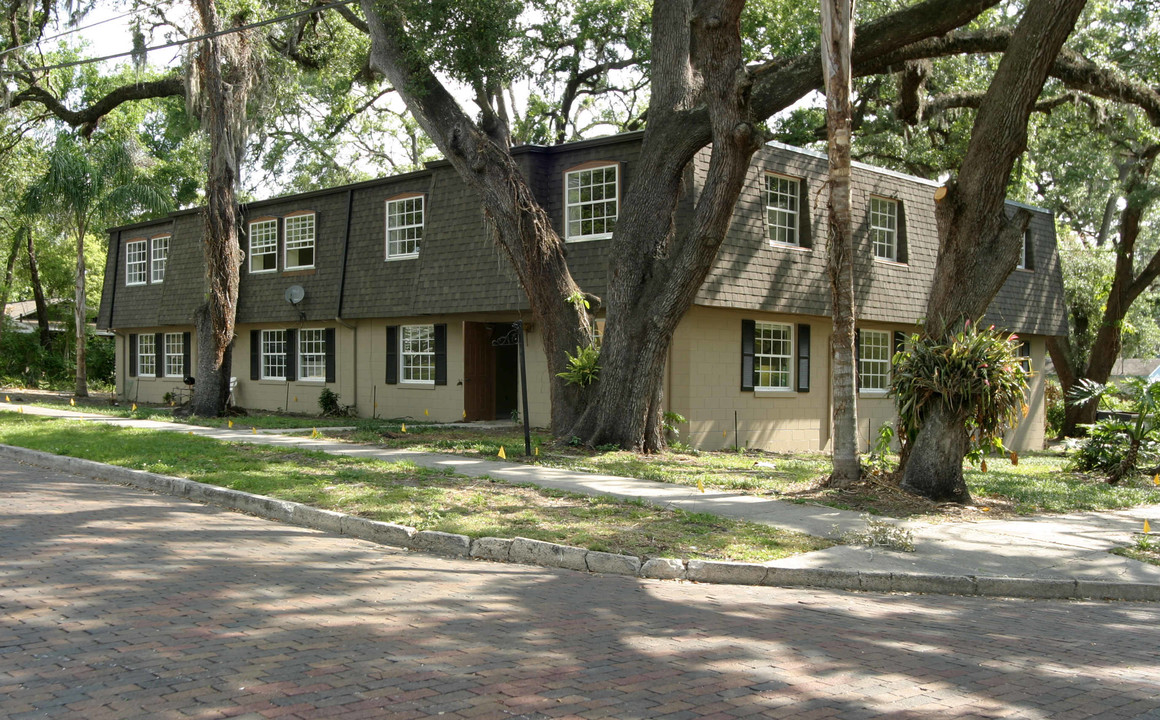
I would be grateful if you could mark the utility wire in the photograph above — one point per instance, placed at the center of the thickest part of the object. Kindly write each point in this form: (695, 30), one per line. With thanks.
(186, 41)
(72, 31)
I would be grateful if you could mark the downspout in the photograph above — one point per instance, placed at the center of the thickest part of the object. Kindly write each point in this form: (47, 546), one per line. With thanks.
(112, 325)
(342, 291)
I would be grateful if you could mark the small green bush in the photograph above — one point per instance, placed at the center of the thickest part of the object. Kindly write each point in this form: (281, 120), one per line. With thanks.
(583, 368)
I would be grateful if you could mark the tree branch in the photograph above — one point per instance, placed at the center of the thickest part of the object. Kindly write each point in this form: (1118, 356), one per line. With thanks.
(88, 117)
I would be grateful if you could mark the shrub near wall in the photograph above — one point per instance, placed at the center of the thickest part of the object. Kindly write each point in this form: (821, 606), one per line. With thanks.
(24, 363)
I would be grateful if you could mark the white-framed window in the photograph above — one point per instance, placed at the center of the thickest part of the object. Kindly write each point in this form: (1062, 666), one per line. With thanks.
(1024, 353)
(404, 227)
(781, 209)
(417, 354)
(591, 202)
(264, 246)
(136, 260)
(772, 355)
(160, 256)
(884, 228)
(174, 355)
(146, 354)
(299, 242)
(312, 354)
(874, 360)
(1025, 251)
(273, 354)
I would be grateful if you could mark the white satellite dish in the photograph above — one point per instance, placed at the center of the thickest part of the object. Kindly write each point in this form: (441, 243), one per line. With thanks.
(294, 294)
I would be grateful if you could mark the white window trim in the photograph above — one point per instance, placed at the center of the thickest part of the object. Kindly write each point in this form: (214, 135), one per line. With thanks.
(862, 345)
(796, 226)
(152, 355)
(302, 339)
(422, 225)
(1022, 264)
(568, 236)
(262, 356)
(180, 354)
(403, 354)
(894, 234)
(153, 259)
(286, 222)
(251, 254)
(143, 262)
(788, 388)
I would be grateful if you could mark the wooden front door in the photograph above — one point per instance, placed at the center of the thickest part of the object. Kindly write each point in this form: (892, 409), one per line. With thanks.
(478, 372)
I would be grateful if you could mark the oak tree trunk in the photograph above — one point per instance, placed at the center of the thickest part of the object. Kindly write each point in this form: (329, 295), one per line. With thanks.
(837, 41)
(223, 98)
(935, 466)
(37, 292)
(9, 276)
(978, 243)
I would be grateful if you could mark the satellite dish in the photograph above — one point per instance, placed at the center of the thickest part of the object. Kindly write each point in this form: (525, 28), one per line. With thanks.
(294, 294)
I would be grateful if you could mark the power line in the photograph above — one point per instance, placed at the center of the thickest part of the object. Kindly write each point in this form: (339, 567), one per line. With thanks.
(186, 41)
(73, 31)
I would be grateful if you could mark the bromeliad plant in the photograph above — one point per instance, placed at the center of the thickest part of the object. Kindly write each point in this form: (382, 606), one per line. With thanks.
(975, 374)
(1118, 446)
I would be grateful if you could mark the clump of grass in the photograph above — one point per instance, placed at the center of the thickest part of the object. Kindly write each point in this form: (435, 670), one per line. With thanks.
(880, 533)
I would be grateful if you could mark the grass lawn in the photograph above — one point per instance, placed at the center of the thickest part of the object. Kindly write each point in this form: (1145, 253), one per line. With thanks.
(406, 494)
(1040, 483)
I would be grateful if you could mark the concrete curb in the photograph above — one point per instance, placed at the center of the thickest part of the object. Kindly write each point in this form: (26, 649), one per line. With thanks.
(545, 554)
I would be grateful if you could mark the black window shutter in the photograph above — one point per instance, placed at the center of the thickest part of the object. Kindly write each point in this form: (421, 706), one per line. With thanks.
(392, 354)
(805, 228)
(899, 343)
(132, 355)
(1029, 250)
(159, 349)
(748, 375)
(291, 337)
(255, 354)
(857, 359)
(441, 354)
(902, 246)
(803, 357)
(186, 360)
(329, 340)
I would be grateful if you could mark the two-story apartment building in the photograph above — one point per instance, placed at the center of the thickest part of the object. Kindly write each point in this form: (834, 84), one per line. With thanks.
(391, 293)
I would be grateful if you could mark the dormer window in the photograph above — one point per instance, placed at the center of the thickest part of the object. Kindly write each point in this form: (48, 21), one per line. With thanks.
(264, 245)
(782, 222)
(405, 219)
(136, 262)
(160, 257)
(591, 204)
(299, 241)
(884, 229)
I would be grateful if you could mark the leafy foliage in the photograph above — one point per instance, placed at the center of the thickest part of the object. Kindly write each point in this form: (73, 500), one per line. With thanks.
(976, 372)
(1120, 445)
(583, 367)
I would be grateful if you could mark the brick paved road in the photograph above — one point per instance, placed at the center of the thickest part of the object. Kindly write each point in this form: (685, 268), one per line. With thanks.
(120, 604)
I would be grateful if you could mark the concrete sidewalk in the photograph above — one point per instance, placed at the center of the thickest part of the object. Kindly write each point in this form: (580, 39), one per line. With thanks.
(1046, 547)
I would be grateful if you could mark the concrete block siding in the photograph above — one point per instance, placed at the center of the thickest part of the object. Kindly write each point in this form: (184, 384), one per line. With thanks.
(459, 276)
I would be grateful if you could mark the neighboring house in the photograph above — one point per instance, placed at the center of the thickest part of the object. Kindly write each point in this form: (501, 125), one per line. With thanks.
(22, 316)
(406, 298)
(1148, 368)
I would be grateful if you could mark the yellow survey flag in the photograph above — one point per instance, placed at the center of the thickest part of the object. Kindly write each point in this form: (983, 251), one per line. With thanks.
(1147, 527)
(426, 413)
(501, 453)
(231, 423)
(134, 407)
(253, 431)
(404, 428)
(72, 401)
(700, 485)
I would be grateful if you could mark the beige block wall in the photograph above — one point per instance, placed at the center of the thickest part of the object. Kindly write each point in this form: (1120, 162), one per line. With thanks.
(437, 403)
(1031, 433)
(704, 382)
(149, 389)
(299, 396)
